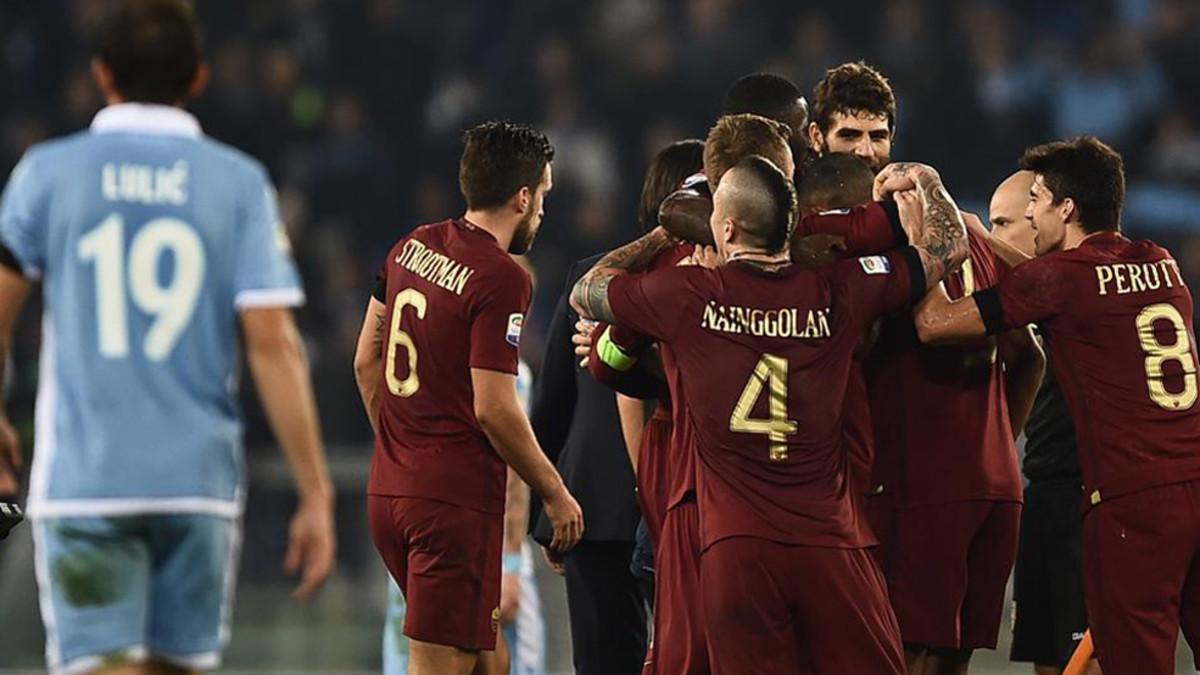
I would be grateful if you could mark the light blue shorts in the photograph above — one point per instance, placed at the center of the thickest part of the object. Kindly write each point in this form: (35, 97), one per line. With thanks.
(140, 586)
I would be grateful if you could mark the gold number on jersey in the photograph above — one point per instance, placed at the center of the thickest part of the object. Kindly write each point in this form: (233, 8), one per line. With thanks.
(771, 372)
(1158, 353)
(397, 338)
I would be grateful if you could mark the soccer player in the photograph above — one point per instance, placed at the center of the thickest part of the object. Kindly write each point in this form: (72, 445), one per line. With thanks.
(1118, 317)
(1049, 613)
(854, 111)
(437, 365)
(786, 583)
(151, 242)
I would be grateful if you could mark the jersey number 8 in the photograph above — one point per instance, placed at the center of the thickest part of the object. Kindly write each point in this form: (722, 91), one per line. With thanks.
(1158, 353)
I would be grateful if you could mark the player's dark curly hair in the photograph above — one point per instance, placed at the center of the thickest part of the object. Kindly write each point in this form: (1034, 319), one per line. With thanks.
(783, 200)
(1086, 170)
(851, 89)
(153, 48)
(500, 158)
(667, 170)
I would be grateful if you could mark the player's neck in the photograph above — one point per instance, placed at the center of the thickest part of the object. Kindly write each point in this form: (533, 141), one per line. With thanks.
(756, 256)
(1074, 236)
(499, 226)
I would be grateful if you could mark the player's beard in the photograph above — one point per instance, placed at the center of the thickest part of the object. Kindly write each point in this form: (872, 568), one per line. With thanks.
(523, 235)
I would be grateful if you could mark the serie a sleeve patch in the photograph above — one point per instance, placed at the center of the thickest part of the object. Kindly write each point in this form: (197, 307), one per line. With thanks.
(876, 264)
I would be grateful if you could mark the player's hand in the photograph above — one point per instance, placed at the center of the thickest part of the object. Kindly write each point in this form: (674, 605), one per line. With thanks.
(510, 597)
(912, 213)
(311, 546)
(899, 176)
(583, 340)
(705, 256)
(566, 518)
(554, 561)
(10, 457)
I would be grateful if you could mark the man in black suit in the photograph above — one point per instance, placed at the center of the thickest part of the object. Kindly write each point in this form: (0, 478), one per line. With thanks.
(575, 420)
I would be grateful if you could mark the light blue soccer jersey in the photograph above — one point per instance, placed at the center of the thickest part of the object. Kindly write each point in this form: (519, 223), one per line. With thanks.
(148, 238)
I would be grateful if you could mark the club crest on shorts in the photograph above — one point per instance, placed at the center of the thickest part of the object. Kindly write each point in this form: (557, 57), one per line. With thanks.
(513, 334)
(875, 264)
(496, 620)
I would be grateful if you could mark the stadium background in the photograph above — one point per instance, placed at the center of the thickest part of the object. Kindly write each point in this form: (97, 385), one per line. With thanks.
(356, 106)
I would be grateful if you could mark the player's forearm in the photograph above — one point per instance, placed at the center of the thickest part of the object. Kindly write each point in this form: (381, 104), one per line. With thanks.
(368, 360)
(943, 242)
(940, 320)
(516, 512)
(511, 435)
(632, 413)
(281, 376)
(1024, 367)
(589, 297)
(367, 376)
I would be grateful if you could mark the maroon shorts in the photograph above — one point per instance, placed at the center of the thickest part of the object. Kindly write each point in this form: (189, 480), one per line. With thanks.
(446, 560)
(947, 567)
(1141, 577)
(777, 608)
(654, 484)
(679, 645)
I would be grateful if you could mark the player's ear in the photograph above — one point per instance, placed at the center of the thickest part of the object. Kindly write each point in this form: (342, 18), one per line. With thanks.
(729, 230)
(524, 199)
(816, 140)
(1068, 210)
(199, 83)
(105, 81)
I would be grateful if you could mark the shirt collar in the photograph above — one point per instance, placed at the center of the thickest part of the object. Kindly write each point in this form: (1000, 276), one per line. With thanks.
(145, 118)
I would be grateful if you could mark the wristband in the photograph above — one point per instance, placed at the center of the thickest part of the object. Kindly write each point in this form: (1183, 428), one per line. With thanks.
(611, 354)
(512, 563)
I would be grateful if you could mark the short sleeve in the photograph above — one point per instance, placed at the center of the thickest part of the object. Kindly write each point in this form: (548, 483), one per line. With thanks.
(650, 303)
(23, 217)
(497, 316)
(1030, 292)
(265, 274)
(869, 229)
(882, 284)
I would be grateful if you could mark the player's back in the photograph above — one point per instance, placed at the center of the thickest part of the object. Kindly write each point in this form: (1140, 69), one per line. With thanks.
(765, 359)
(1124, 351)
(455, 301)
(940, 414)
(148, 237)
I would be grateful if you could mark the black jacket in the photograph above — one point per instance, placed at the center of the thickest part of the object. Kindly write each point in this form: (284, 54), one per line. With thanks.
(576, 423)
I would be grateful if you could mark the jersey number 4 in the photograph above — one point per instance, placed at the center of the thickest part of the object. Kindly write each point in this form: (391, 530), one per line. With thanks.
(170, 304)
(1158, 353)
(771, 374)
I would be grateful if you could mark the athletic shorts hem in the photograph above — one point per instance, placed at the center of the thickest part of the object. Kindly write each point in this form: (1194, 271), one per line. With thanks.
(198, 661)
(464, 645)
(89, 662)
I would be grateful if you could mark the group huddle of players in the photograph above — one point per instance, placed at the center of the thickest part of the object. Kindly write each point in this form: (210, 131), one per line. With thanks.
(842, 360)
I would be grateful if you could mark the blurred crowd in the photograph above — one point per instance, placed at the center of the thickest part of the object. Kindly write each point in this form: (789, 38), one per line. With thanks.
(356, 107)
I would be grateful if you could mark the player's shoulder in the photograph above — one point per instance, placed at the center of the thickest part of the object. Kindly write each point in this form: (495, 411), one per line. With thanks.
(49, 155)
(239, 162)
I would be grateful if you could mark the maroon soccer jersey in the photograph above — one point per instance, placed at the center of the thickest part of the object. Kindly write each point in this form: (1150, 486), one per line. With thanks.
(868, 229)
(455, 301)
(942, 432)
(764, 360)
(1117, 317)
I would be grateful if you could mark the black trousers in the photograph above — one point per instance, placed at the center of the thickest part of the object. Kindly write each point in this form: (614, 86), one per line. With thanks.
(608, 614)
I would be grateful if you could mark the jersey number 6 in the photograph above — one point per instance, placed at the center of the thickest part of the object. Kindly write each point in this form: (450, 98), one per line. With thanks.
(396, 338)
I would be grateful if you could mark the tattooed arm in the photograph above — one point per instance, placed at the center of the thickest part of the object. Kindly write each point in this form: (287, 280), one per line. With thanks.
(589, 297)
(367, 357)
(942, 243)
